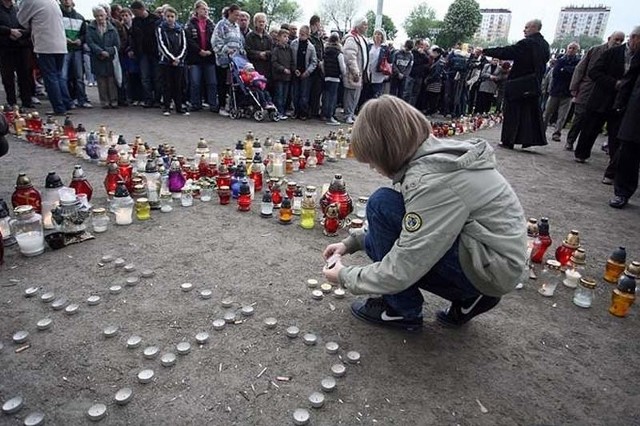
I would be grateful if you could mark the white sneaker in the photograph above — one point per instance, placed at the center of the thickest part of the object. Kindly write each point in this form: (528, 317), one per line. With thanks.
(283, 117)
(349, 120)
(166, 113)
(186, 113)
(333, 122)
(86, 105)
(223, 113)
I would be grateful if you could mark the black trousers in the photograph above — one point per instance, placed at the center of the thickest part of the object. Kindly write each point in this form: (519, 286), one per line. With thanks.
(222, 79)
(627, 168)
(315, 92)
(593, 122)
(16, 62)
(483, 102)
(172, 81)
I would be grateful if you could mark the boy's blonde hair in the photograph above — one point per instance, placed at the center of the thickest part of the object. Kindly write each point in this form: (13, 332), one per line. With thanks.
(387, 133)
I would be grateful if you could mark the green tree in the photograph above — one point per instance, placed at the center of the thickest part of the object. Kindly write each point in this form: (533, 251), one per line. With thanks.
(421, 22)
(278, 11)
(387, 25)
(460, 23)
(338, 14)
(585, 41)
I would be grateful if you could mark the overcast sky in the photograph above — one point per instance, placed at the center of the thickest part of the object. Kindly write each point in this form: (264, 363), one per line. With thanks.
(624, 15)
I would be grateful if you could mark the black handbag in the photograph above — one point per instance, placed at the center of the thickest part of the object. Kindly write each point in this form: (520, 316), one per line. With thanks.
(525, 87)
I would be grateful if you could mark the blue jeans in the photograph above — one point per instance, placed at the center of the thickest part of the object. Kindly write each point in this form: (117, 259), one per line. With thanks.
(51, 68)
(281, 93)
(301, 88)
(196, 73)
(330, 99)
(150, 74)
(75, 61)
(385, 213)
(412, 90)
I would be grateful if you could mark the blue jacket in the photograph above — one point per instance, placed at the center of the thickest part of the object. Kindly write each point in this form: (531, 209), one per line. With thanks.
(562, 73)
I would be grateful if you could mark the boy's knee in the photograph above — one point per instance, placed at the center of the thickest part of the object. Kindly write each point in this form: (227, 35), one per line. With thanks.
(384, 198)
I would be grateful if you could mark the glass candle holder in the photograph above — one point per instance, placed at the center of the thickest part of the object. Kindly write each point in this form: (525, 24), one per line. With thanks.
(100, 220)
(285, 215)
(166, 202)
(28, 230)
(186, 198)
(206, 192)
(143, 209)
(224, 194)
(584, 293)
(361, 207)
(549, 278)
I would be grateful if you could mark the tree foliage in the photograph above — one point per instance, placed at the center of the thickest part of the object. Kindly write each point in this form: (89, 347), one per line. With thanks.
(338, 14)
(585, 41)
(278, 11)
(421, 22)
(387, 25)
(460, 23)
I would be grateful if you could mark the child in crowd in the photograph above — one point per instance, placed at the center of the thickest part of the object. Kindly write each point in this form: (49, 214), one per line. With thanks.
(257, 83)
(334, 69)
(282, 64)
(172, 44)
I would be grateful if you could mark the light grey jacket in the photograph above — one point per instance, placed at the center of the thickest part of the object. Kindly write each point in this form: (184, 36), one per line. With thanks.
(44, 19)
(310, 59)
(451, 189)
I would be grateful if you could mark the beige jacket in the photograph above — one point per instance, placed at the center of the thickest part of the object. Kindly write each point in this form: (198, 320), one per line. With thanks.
(356, 58)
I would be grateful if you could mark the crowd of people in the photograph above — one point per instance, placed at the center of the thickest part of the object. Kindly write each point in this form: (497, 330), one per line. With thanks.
(141, 57)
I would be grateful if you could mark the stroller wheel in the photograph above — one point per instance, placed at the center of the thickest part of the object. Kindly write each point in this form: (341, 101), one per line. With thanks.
(274, 116)
(258, 115)
(235, 114)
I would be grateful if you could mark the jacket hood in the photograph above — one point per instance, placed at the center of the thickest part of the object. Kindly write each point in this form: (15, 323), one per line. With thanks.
(176, 27)
(447, 155)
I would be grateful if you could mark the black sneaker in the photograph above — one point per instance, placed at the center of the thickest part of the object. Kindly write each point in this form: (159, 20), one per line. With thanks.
(461, 312)
(618, 202)
(375, 310)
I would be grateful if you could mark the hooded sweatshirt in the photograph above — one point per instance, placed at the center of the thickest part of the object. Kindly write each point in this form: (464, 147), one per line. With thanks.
(452, 191)
(74, 28)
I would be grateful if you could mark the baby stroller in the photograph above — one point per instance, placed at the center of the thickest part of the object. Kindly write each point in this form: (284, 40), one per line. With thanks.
(244, 101)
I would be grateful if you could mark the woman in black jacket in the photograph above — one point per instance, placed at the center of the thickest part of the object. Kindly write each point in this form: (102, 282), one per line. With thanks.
(201, 60)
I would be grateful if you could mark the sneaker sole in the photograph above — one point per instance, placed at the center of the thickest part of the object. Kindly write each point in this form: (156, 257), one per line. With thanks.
(387, 324)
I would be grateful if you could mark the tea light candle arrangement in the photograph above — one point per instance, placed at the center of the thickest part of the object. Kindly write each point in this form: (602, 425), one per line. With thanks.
(134, 342)
(328, 384)
(168, 359)
(310, 339)
(293, 332)
(93, 300)
(326, 287)
(119, 262)
(332, 348)
(247, 311)
(230, 317)
(130, 267)
(316, 399)
(301, 416)
(270, 322)
(339, 293)
(115, 289)
(317, 294)
(44, 324)
(31, 291)
(218, 324)
(186, 287)
(206, 294)
(145, 376)
(13, 405)
(227, 303)
(150, 352)
(202, 338)
(338, 370)
(183, 348)
(97, 412)
(311, 283)
(20, 336)
(123, 396)
(34, 419)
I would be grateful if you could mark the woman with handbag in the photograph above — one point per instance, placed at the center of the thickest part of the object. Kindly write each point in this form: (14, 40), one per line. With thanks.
(522, 123)
(379, 64)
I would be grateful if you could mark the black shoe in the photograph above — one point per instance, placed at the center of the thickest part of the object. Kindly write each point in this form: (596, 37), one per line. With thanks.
(460, 313)
(375, 310)
(618, 202)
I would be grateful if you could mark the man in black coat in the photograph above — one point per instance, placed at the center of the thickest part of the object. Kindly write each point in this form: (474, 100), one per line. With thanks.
(522, 123)
(607, 75)
(627, 103)
(15, 51)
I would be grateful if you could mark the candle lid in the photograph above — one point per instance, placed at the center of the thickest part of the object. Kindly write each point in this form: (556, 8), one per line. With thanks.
(588, 282)
(627, 284)
(579, 257)
(572, 240)
(633, 269)
(553, 264)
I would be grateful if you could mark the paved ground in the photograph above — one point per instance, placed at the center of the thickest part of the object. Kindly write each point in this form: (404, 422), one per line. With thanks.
(530, 361)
